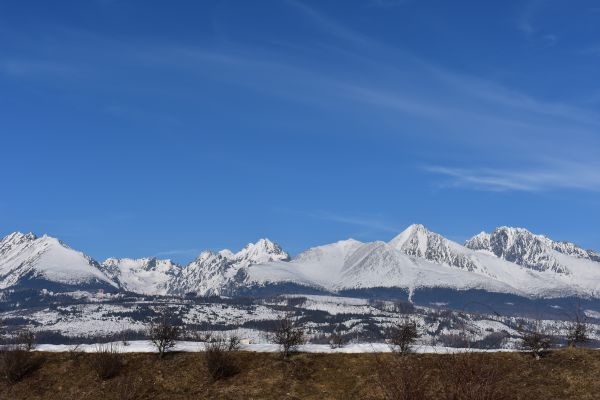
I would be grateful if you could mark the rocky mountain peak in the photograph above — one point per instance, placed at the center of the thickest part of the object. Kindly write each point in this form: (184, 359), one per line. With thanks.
(520, 246)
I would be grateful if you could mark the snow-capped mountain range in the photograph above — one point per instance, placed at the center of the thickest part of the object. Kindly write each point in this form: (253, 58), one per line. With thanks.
(508, 260)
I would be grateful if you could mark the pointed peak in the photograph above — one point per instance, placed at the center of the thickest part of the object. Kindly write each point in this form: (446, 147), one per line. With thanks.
(414, 232)
(264, 250)
(262, 243)
(416, 228)
(19, 237)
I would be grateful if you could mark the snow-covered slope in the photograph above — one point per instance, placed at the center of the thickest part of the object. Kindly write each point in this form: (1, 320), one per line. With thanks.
(509, 260)
(142, 275)
(379, 264)
(417, 258)
(536, 252)
(319, 267)
(223, 272)
(418, 241)
(28, 260)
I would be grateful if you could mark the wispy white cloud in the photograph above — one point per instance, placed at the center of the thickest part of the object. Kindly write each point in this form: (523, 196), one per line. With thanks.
(525, 23)
(593, 50)
(498, 121)
(330, 25)
(560, 176)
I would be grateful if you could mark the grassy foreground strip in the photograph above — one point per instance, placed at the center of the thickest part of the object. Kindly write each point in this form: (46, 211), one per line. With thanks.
(561, 374)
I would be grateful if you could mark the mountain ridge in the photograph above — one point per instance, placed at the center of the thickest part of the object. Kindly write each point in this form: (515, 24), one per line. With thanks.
(507, 260)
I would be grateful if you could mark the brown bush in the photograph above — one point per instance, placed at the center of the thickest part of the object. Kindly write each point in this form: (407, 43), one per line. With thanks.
(472, 376)
(16, 363)
(337, 340)
(26, 340)
(106, 361)
(403, 378)
(219, 360)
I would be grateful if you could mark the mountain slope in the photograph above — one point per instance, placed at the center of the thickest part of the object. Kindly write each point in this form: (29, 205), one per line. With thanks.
(508, 260)
(418, 241)
(561, 261)
(223, 272)
(318, 267)
(27, 260)
(533, 251)
(142, 275)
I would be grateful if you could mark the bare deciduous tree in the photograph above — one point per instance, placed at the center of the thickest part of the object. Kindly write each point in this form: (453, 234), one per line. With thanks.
(535, 340)
(288, 335)
(26, 340)
(402, 336)
(163, 333)
(577, 333)
(337, 339)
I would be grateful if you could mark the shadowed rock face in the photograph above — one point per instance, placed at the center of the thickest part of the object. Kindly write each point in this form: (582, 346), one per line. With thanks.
(572, 249)
(532, 251)
(524, 249)
(418, 241)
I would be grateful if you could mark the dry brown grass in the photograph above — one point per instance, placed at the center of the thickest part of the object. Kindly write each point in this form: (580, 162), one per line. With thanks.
(564, 374)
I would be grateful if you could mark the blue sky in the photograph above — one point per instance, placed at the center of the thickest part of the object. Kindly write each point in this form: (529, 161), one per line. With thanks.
(138, 128)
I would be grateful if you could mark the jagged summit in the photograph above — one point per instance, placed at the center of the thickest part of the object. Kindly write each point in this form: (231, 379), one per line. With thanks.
(529, 250)
(507, 260)
(262, 251)
(148, 275)
(418, 241)
(219, 273)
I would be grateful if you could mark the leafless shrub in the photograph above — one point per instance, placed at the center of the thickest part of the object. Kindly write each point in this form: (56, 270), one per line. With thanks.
(234, 343)
(402, 336)
(124, 337)
(337, 340)
(577, 332)
(288, 335)
(163, 333)
(218, 357)
(75, 352)
(16, 363)
(535, 340)
(402, 378)
(472, 376)
(26, 340)
(106, 361)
